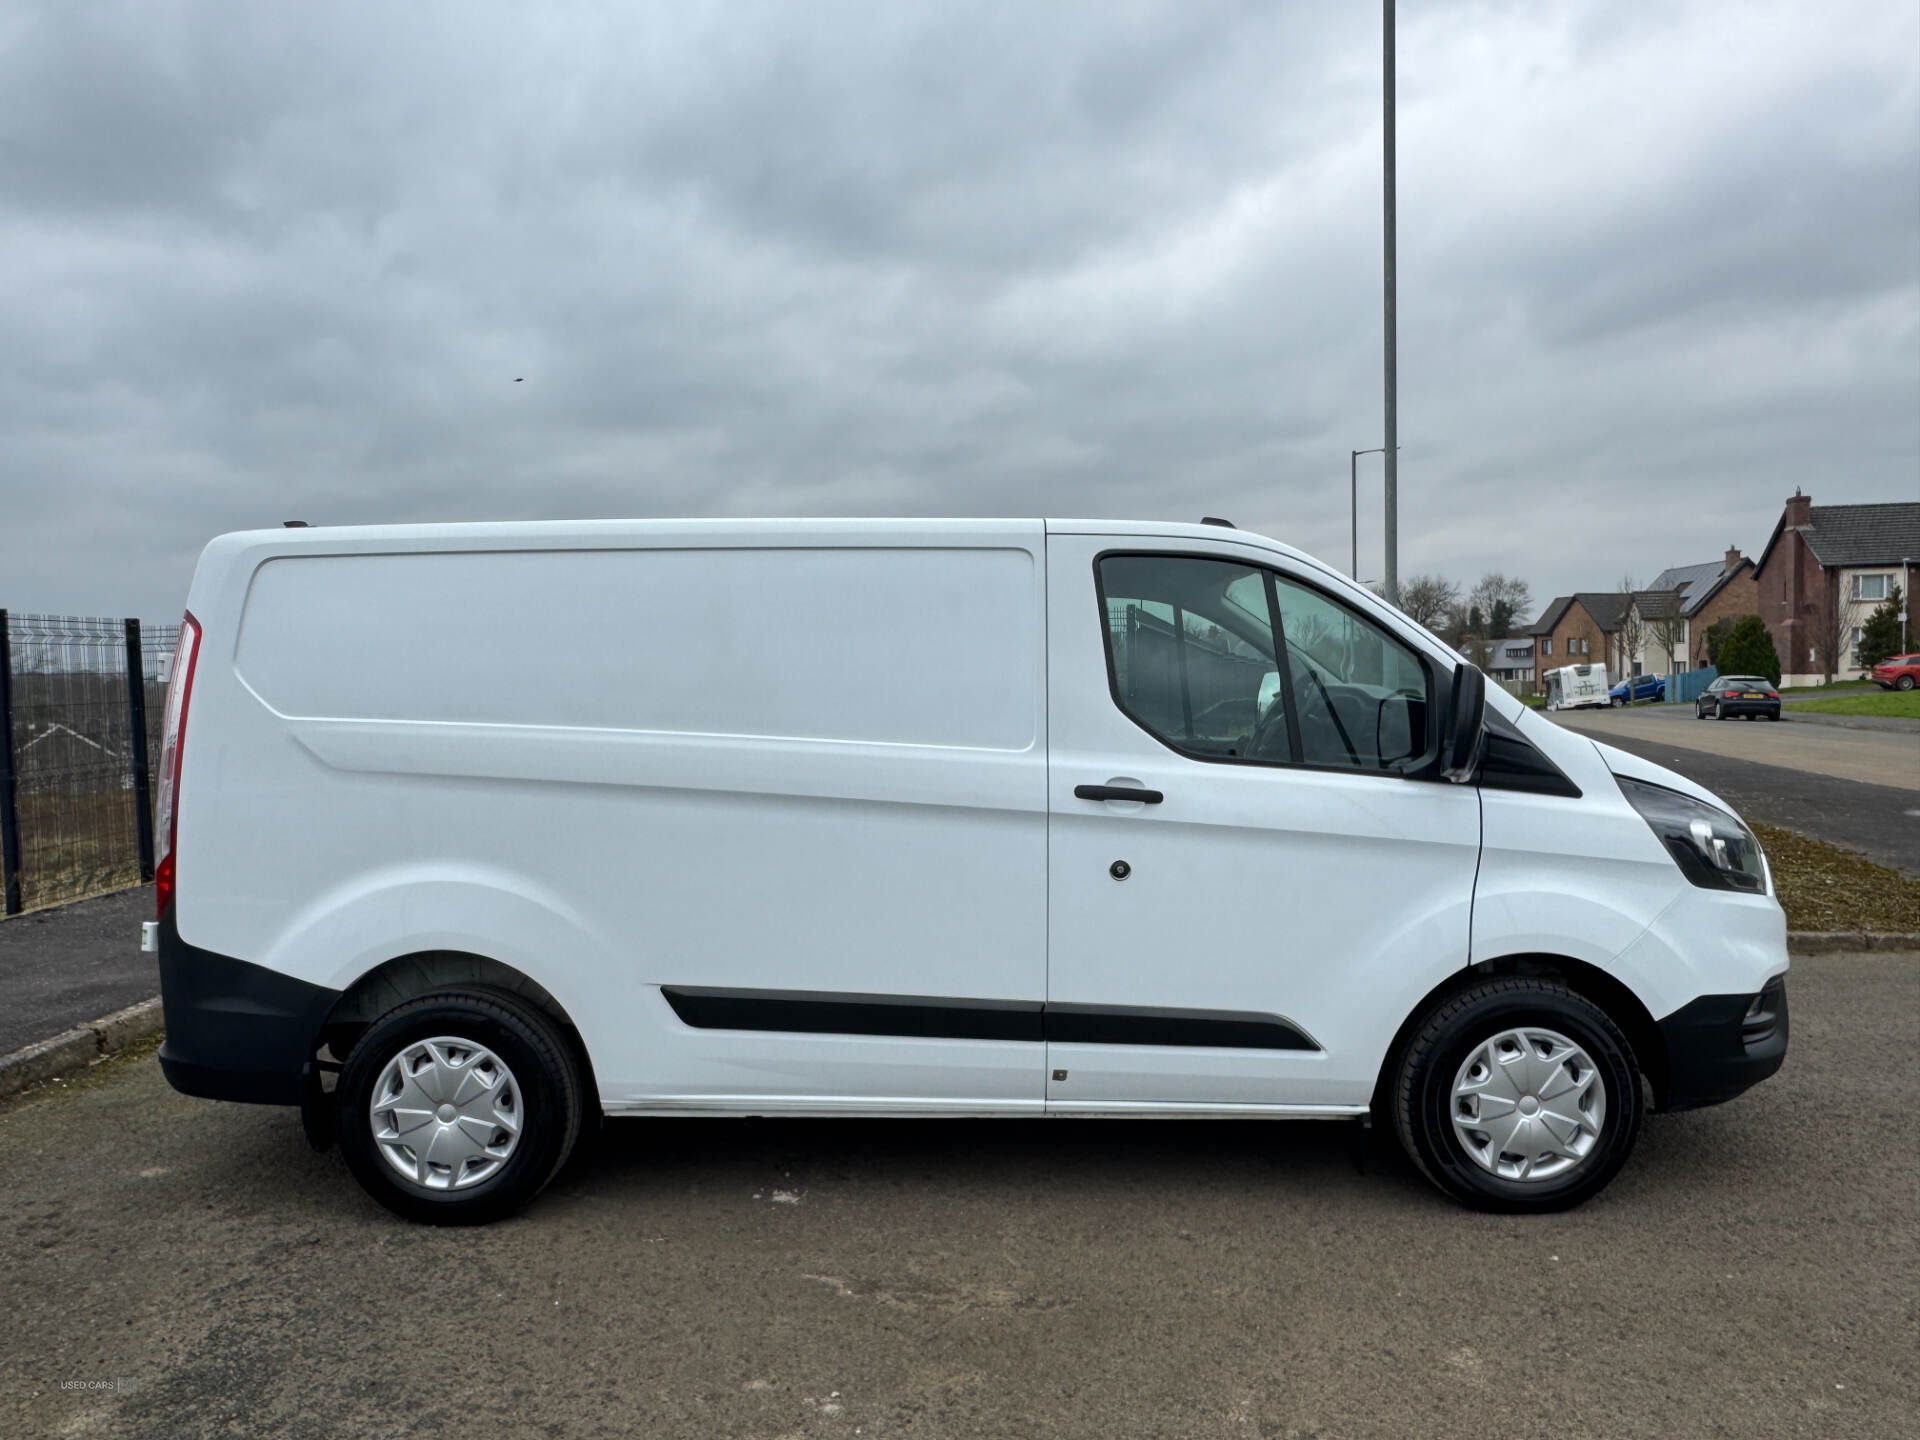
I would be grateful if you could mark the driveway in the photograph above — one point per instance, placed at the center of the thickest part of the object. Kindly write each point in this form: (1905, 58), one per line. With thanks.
(1751, 1273)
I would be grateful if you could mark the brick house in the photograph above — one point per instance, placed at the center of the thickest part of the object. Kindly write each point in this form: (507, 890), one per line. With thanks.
(1579, 629)
(1823, 571)
(1692, 597)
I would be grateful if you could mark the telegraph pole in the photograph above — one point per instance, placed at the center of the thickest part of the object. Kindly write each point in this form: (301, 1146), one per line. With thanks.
(1392, 571)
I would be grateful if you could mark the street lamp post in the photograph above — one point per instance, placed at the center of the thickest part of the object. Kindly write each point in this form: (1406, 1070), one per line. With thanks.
(1389, 239)
(1353, 486)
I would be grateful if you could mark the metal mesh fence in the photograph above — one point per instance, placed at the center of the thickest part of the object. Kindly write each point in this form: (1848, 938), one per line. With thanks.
(76, 798)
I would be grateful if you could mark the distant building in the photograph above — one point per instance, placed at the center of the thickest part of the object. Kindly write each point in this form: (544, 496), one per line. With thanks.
(1824, 570)
(1694, 596)
(1580, 629)
(1511, 661)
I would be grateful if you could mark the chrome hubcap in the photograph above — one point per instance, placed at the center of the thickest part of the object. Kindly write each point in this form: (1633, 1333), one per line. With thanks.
(446, 1113)
(1528, 1104)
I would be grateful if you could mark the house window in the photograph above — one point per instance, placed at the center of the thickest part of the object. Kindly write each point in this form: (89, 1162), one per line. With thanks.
(1853, 647)
(1546, 647)
(1869, 587)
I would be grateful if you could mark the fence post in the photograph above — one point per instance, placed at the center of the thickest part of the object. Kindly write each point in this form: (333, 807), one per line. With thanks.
(137, 724)
(9, 816)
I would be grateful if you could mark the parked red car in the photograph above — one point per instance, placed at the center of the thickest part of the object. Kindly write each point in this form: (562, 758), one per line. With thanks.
(1897, 672)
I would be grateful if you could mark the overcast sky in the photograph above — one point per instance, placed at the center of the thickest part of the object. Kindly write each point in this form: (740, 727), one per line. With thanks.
(1659, 265)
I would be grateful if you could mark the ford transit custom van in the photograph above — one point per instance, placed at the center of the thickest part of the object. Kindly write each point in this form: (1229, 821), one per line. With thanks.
(473, 834)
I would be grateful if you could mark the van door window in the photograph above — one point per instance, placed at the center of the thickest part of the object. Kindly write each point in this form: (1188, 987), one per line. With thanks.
(1360, 697)
(1191, 655)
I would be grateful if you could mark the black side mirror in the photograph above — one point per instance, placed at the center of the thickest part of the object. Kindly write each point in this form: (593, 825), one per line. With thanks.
(1466, 723)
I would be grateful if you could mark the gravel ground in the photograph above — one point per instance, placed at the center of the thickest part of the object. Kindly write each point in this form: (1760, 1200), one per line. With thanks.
(1752, 1273)
(1825, 888)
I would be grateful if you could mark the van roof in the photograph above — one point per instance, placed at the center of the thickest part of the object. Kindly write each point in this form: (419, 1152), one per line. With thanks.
(447, 535)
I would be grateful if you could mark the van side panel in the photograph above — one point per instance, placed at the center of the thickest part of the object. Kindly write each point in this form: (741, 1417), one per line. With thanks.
(813, 768)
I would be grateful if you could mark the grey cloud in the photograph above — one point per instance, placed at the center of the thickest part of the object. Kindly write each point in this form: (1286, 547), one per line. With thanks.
(276, 262)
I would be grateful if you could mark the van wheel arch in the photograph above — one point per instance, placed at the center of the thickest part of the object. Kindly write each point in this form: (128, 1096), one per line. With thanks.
(407, 977)
(1621, 1005)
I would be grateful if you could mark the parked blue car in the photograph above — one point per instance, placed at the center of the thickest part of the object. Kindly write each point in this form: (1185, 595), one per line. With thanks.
(1643, 687)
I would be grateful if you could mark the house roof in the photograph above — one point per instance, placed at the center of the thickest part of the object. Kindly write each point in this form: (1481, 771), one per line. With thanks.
(1697, 583)
(1856, 534)
(1659, 604)
(1607, 607)
(1550, 616)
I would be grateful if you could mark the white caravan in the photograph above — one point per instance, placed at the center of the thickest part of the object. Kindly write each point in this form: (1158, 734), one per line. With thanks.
(1573, 687)
(474, 833)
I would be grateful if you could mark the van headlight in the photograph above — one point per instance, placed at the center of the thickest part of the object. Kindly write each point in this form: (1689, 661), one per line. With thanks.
(1712, 847)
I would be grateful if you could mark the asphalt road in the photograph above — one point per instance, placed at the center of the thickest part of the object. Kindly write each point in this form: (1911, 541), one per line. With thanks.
(1752, 1273)
(1874, 757)
(1816, 795)
(67, 965)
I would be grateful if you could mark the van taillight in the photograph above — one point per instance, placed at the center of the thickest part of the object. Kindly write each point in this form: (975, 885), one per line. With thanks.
(166, 810)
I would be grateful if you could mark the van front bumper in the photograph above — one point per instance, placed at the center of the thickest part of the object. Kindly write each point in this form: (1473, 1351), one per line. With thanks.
(234, 1030)
(1720, 1045)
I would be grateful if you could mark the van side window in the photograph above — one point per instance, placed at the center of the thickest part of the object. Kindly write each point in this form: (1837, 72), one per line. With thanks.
(1191, 655)
(1225, 661)
(1360, 696)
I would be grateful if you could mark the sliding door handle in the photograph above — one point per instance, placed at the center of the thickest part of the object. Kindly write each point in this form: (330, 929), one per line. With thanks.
(1117, 792)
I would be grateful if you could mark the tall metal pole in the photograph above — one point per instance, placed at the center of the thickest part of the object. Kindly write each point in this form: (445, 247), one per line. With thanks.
(1392, 572)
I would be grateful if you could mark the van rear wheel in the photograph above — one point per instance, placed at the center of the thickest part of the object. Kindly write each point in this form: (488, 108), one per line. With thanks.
(457, 1108)
(1518, 1095)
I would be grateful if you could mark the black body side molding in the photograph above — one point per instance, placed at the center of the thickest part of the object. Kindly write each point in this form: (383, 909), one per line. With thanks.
(814, 1012)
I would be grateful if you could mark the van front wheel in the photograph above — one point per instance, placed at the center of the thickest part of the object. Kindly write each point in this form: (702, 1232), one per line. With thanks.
(457, 1108)
(1518, 1095)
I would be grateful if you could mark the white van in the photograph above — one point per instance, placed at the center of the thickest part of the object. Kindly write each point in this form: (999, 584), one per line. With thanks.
(1574, 687)
(475, 833)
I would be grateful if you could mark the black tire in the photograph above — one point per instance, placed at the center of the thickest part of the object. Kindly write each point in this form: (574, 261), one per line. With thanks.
(544, 1069)
(1720, 713)
(1774, 715)
(1905, 682)
(1698, 713)
(1421, 1101)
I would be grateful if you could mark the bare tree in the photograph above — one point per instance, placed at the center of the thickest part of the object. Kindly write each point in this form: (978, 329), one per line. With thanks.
(1502, 600)
(1832, 628)
(1478, 649)
(1632, 633)
(1667, 627)
(1428, 599)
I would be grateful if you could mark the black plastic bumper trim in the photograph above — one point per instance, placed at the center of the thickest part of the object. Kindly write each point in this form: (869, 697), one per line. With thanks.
(235, 1030)
(1721, 1045)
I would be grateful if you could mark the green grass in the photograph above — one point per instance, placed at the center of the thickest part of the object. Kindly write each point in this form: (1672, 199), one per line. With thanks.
(1838, 687)
(1903, 703)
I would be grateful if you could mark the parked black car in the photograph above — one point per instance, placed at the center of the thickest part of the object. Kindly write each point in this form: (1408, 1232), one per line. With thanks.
(1731, 695)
